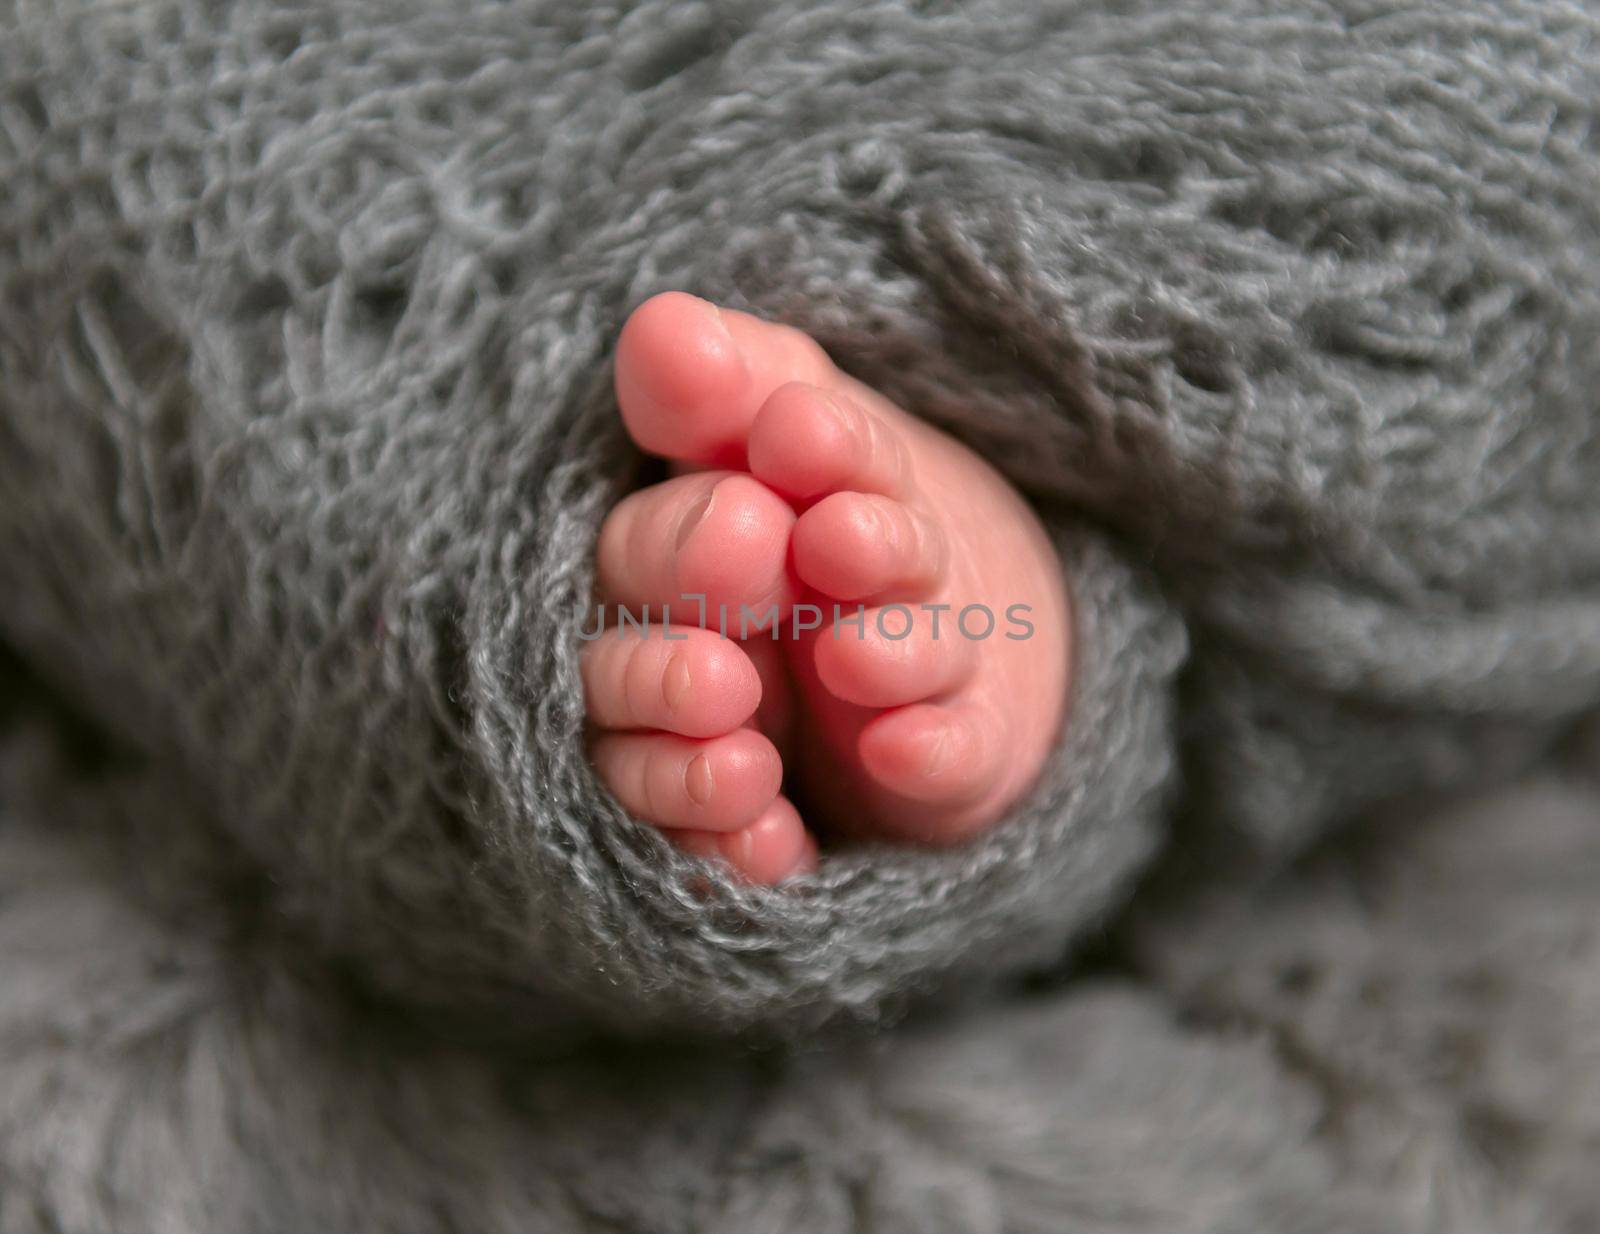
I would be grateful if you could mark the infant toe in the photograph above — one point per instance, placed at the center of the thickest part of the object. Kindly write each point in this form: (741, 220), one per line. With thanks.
(773, 848)
(681, 680)
(857, 546)
(947, 759)
(722, 536)
(718, 785)
(892, 655)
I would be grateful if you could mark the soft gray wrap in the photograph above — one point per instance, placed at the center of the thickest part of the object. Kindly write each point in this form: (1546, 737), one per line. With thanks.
(1284, 315)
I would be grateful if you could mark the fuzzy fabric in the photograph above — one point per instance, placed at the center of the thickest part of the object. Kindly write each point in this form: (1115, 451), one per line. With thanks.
(310, 905)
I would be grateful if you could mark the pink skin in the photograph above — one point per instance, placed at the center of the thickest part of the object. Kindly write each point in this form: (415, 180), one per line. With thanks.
(799, 484)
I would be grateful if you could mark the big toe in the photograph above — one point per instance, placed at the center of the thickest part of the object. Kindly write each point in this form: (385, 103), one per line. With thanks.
(690, 376)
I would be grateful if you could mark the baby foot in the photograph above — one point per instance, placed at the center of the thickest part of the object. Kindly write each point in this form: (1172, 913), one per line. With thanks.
(932, 701)
(925, 716)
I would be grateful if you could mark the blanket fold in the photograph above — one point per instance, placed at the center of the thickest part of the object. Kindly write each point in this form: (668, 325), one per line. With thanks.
(306, 430)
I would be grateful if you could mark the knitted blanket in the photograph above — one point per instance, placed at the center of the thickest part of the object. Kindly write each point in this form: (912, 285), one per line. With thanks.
(312, 913)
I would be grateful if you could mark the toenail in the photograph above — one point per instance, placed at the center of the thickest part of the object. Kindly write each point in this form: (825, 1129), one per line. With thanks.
(941, 755)
(675, 681)
(727, 337)
(737, 847)
(697, 779)
(834, 409)
(694, 516)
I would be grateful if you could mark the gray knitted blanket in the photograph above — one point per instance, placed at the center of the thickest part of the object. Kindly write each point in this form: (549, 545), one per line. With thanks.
(310, 906)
